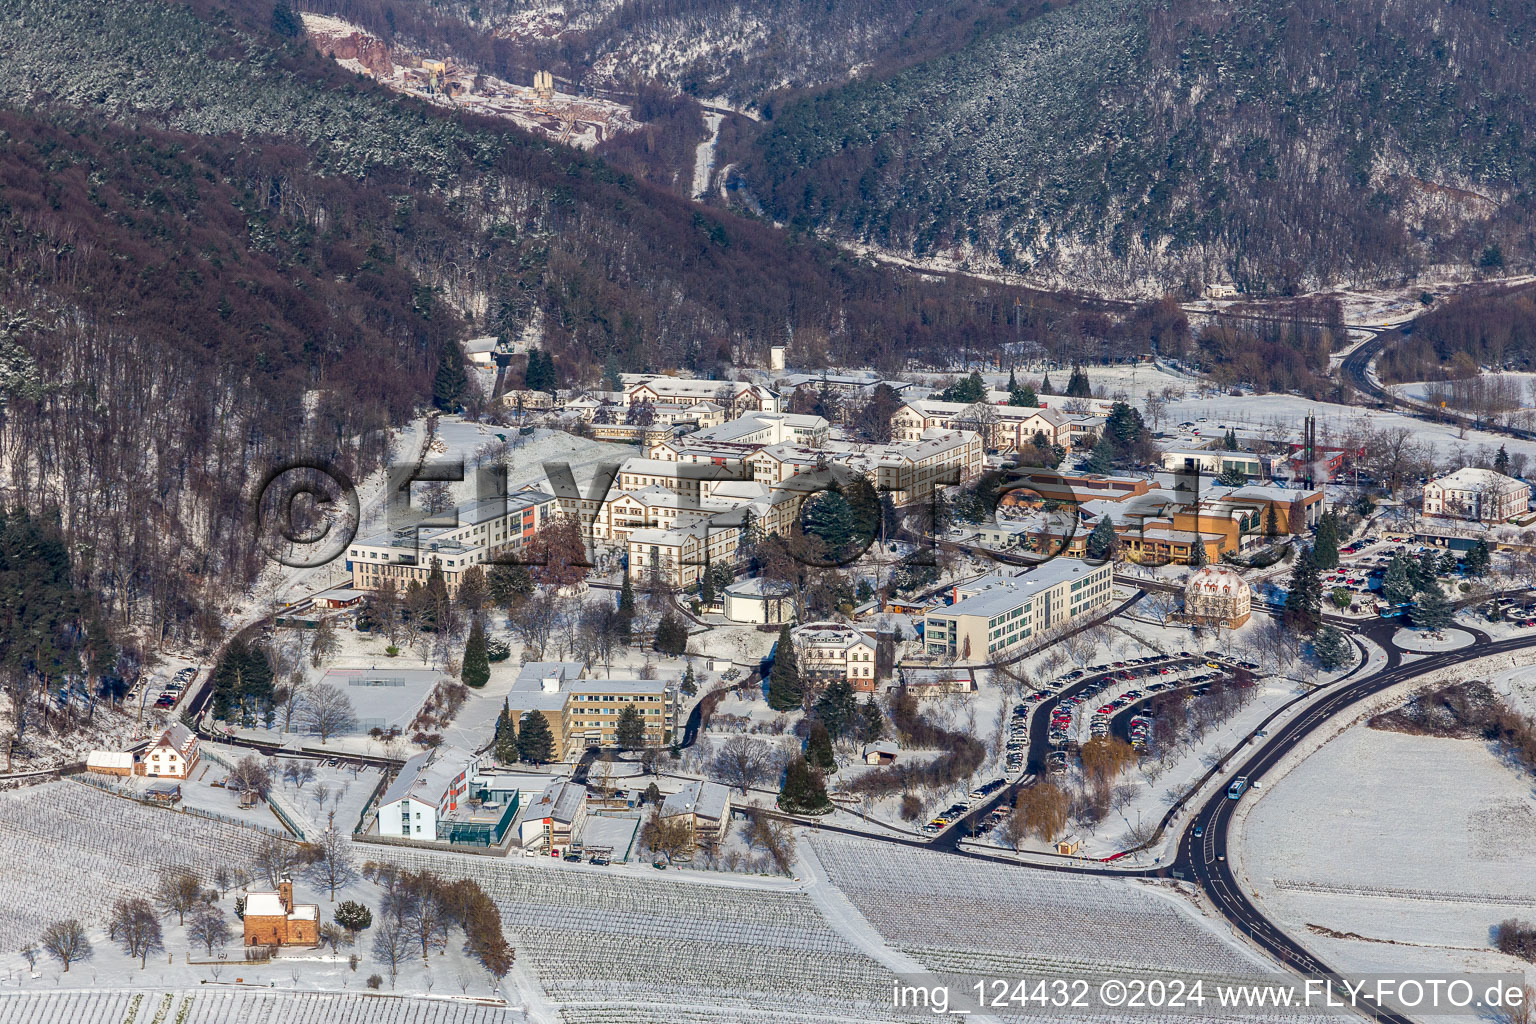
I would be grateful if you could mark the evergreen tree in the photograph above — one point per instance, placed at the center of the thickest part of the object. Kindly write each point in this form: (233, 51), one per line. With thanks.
(477, 665)
(785, 691)
(1331, 649)
(671, 635)
(690, 685)
(803, 791)
(1478, 561)
(837, 707)
(1102, 458)
(508, 585)
(707, 579)
(626, 610)
(1432, 610)
(1271, 521)
(1426, 570)
(506, 736)
(818, 748)
(629, 733)
(1501, 461)
(1198, 557)
(871, 721)
(1021, 394)
(1232, 476)
(1045, 385)
(1449, 563)
(285, 23)
(449, 385)
(829, 517)
(535, 743)
(1102, 541)
(1304, 599)
(1397, 585)
(611, 379)
(540, 374)
(1230, 440)
(1077, 384)
(967, 391)
(1325, 548)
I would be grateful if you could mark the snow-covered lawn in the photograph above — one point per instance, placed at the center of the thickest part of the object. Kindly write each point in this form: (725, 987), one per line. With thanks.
(1417, 846)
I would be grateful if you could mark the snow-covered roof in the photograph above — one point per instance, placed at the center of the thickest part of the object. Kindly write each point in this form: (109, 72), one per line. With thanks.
(264, 904)
(562, 801)
(704, 799)
(109, 759)
(304, 912)
(425, 777)
(1471, 478)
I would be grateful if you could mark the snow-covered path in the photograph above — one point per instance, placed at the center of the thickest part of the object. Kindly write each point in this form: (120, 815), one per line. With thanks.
(704, 156)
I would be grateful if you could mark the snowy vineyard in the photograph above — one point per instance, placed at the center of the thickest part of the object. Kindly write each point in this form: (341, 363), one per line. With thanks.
(599, 942)
(75, 849)
(994, 917)
(240, 1007)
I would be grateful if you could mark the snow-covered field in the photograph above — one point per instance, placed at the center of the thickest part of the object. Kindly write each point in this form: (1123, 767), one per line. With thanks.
(216, 1005)
(1416, 846)
(615, 944)
(70, 850)
(995, 920)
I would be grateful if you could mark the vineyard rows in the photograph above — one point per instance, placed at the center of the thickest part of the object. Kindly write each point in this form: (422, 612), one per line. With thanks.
(594, 937)
(994, 915)
(235, 1006)
(82, 849)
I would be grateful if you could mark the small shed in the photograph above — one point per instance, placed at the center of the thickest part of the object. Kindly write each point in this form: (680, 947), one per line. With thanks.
(341, 597)
(163, 792)
(109, 762)
(881, 752)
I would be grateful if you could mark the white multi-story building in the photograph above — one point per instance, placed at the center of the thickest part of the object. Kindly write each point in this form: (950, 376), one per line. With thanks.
(735, 396)
(1004, 428)
(831, 650)
(172, 756)
(1477, 494)
(999, 612)
(1217, 595)
(478, 534)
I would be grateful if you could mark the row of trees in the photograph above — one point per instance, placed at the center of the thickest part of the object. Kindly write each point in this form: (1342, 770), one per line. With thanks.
(418, 912)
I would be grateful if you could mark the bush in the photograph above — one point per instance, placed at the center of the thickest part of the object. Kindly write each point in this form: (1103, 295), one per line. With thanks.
(1516, 938)
(375, 981)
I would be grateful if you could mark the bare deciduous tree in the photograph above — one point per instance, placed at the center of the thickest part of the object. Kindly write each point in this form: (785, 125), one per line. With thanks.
(327, 711)
(742, 762)
(66, 942)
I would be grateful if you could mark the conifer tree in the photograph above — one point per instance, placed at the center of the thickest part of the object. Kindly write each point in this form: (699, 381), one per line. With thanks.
(449, 384)
(803, 791)
(818, 748)
(476, 670)
(785, 691)
(1304, 598)
(1478, 560)
(1432, 610)
(535, 743)
(506, 736)
(1102, 542)
(1325, 549)
(1045, 385)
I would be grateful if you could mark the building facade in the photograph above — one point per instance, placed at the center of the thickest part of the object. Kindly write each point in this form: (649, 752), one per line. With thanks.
(1217, 596)
(173, 755)
(1480, 495)
(478, 535)
(832, 650)
(999, 613)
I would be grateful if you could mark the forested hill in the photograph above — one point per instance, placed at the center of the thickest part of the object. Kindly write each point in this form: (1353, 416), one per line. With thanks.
(219, 250)
(1141, 144)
